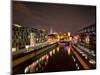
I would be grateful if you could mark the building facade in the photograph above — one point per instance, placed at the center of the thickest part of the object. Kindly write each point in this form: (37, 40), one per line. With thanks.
(22, 36)
(88, 37)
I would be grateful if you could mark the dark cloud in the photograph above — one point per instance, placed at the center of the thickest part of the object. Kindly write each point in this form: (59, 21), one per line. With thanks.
(61, 17)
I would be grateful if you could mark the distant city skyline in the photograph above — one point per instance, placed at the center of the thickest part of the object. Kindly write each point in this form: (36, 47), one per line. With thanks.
(61, 17)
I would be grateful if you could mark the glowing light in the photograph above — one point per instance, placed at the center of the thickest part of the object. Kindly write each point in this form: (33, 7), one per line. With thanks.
(43, 57)
(13, 49)
(68, 33)
(47, 57)
(70, 38)
(69, 51)
(27, 69)
(32, 39)
(50, 41)
(62, 37)
(87, 39)
(57, 49)
(37, 39)
(17, 25)
(83, 54)
(73, 58)
(86, 57)
(78, 68)
(53, 51)
(37, 61)
(40, 59)
(33, 65)
(50, 53)
(65, 39)
(65, 34)
(26, 46)
(92, 61)
(66, 47)
(58, 38)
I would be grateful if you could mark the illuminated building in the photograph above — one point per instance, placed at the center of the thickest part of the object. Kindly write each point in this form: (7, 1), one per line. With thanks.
(43, 34)
(88, 36)
(22, 36)
(19, 36)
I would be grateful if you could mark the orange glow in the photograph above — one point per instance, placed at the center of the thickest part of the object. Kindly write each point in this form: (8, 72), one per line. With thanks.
(58, 37)
(57, 49)
(43, 57)
(68, 33)
(70, 38)
(34, 64)
(69, 51)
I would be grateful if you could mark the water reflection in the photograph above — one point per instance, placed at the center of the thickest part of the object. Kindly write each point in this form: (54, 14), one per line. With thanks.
(27, 69)
(36, 68)
(53, 51)
(50, 53)
(57, 49)
(41, 63)
(46, 63)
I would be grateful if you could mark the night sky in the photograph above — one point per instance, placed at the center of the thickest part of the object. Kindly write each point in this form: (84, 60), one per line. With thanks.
(59, 17)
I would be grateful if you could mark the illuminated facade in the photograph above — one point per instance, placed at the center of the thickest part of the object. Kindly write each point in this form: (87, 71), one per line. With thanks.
(88, 37)
(22, 36)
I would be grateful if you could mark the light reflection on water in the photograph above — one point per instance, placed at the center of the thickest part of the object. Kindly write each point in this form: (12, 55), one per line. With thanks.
(50, 53)
(39, 65)
(57, 49)
(46, 63)
(53, 51)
